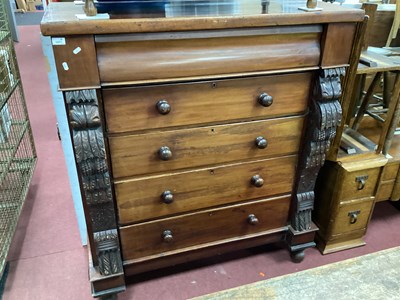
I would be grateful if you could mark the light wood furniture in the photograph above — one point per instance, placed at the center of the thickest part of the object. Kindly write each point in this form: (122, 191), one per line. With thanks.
(199, 135)
(362, 172)
(346, 192)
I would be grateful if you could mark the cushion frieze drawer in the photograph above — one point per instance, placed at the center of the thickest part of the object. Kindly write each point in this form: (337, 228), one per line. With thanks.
(158, 237)
(127, 58)
(143, 108)
(188, 148)
(152, 197)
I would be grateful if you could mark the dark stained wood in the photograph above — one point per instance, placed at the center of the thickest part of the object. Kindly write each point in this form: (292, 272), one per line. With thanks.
(336, 48)
(370, 10)
(381, 27)
(203, 227)
(130, 109)
(176, 58)
(138, 154)
(300, 237)
(206, 87)
(76, 63)
(140, 199)
(59, 19)
(137, 266)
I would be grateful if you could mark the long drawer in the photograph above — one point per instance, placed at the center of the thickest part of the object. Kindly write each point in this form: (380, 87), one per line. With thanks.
(161, 106)
(160, 236)
(138, 57)
(168, 194)
(188, 148)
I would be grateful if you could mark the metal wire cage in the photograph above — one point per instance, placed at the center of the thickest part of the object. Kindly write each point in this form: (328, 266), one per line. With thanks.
(17, 150)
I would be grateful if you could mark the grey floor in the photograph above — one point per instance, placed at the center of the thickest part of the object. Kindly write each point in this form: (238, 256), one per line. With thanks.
(374, 276)
(28, 18)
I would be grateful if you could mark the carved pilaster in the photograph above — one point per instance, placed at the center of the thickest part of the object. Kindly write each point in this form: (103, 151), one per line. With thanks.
(88, 140)
(325, 116)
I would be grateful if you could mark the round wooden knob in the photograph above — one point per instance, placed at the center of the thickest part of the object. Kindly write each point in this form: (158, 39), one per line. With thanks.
(167, 197)
(265, 100)
(261, 142)
(252, 219)
(165, 153)
(163, 107)
(257, 181)
(167, 236)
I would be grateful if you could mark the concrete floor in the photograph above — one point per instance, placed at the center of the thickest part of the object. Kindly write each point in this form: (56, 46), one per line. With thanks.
(374, 276)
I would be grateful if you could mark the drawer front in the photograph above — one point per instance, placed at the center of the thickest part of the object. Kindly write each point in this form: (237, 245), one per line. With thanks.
(132, 109)
(352, 215)
(390, 171)
(385, 190)
(158, 237)
(128, 58)
(360, 184)
(187, 148)
(147, 198)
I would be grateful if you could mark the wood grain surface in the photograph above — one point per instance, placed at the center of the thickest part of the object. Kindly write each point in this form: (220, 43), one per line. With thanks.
(60, 19)
(349, 187)
(76, 63)
(342, 225)
(390, 171)
(336, 46)
(177, 58)
(140, 199)
(133, 109)
(385, 190)
(145, 239)
(138, 154)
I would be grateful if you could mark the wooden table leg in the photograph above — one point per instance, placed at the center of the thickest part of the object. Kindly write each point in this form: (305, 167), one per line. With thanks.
(365, 101)
(390, 124)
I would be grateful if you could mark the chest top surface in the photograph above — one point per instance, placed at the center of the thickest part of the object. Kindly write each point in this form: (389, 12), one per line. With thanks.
(60, 18)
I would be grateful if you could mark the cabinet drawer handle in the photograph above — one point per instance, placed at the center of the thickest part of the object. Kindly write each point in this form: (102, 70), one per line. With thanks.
(265, 100)
(167, 197)
(353, 216)
(167, 236)
(261, 142)
(163, 107)
(257, 181)
(165, 153)
(361, 180)
(252, 219)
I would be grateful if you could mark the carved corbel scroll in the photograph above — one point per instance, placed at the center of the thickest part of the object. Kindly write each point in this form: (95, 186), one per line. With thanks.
(325, 116)
(92, 166)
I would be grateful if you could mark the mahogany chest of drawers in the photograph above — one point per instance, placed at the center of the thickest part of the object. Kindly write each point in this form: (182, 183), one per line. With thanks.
(199, 135)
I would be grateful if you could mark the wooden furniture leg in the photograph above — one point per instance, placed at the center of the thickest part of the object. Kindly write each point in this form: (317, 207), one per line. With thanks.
(385, 140)
(395, 25)
(365, 101)
(326, 114)
(395, 119)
